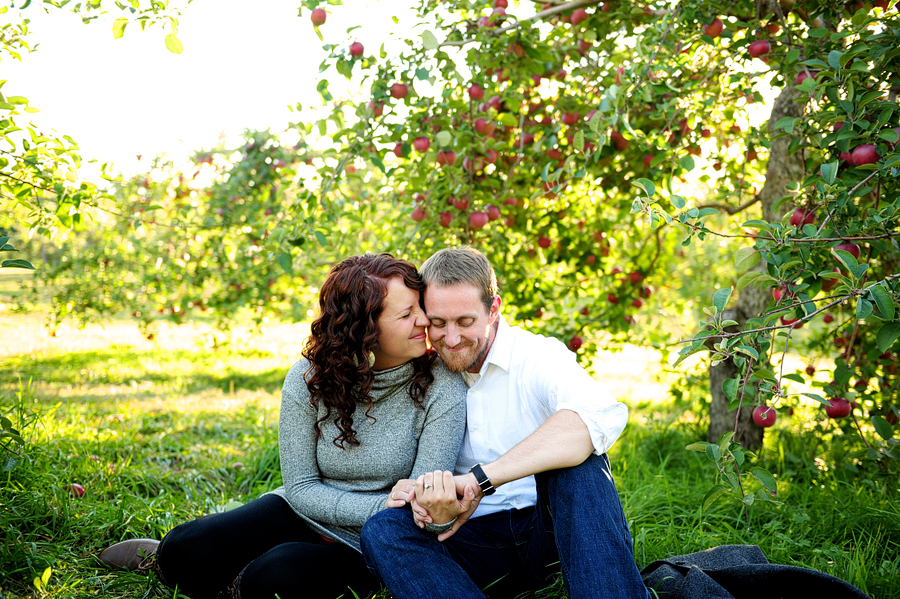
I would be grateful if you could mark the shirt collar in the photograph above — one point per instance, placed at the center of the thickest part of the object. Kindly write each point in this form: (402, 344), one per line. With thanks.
(500, 353)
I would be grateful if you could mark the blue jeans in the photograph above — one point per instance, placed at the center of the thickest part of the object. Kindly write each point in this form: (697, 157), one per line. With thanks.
(509, 552)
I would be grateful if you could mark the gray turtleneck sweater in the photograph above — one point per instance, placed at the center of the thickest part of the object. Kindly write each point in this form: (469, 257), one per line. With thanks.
(336, 490)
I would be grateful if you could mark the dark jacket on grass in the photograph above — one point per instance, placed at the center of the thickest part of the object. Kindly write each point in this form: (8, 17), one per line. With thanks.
(740, 572)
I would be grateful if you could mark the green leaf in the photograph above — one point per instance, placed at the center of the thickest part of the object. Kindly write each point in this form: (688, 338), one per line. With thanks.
(794, 377)
(17, 264)
(765, 478)
(882, 427)
(699, 446)
(889, 135)
(887, 335)
(429, 40)
(834, 59)
(444, 138)
(687, 163)
(818, 398)
(847, 259)
(284, 260)
(721, 297)
(747, 278)
(883, 301)
(578, 141)
(829, 171)
(711, 496)
(863, 308)
(747, 351)
(320, 237)
(677, 201)
(786, 123)
(508, 119)
(173, 44)
(119, 27)
(646, 185)
(745, 258)
(713, 452)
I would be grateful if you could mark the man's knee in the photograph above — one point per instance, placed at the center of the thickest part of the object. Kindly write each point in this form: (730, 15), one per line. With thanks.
(382, 529)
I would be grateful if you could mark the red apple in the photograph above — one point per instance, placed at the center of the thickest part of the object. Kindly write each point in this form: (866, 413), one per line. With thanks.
(318, 16)
(790, 321)
(75, 490)
(619, 141)
(714, 29)
(484, 126)
(759, 48)
(510, 202)
(773, 28)
(575, 343)
(493, 212)
(864, 154)
(828, 319)
(490, 156)
(645, 292)
(544, 242)
(838, 407)
(461, 203)
(612, 299)
(802, 76)
(419, 215)
(810, 370)
(501, 4)
(637, 303)
(446, 157)
(802, 217)
(377, 108)
(590, 259)
(846, 157)
(570, 118)
(764, 416)
(554, 154)
(478, 220)
(578, 15)
(706, 133)
(421, 144)
(848, 246)
(583, 46)
(476, 92)
(635, 277)
(399, 91)
(398, 149)
(356, 49)
(446, 219)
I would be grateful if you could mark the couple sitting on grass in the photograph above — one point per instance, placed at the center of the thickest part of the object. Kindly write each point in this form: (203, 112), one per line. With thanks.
(476, 468)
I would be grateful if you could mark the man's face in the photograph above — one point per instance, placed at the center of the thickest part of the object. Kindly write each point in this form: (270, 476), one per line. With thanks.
(460, 327)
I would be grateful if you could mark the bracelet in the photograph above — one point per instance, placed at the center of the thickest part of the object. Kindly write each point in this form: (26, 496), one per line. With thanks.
(439, 528)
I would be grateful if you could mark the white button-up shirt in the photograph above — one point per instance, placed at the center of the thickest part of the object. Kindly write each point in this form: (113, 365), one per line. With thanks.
(524, 380)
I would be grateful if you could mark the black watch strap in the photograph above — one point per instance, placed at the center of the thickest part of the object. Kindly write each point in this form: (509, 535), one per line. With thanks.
(483, 481)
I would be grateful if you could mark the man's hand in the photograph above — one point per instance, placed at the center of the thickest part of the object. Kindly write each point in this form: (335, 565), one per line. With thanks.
(466, 486)
(445, 498)
(402, 493)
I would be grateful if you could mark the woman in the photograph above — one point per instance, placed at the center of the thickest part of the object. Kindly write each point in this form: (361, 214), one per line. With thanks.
(368, 405)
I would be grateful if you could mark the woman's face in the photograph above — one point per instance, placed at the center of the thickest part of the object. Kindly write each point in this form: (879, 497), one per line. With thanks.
(402, 327)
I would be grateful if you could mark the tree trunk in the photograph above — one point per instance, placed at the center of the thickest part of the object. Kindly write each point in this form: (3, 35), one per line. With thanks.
(782, 170)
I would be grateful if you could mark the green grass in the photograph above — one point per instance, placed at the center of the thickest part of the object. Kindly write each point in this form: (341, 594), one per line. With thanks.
(154, 435)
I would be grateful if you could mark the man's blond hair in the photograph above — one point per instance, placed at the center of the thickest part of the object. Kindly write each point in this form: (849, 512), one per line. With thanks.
(454, 266)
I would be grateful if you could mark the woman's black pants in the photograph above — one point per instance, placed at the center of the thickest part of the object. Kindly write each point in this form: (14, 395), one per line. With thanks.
(270, 547)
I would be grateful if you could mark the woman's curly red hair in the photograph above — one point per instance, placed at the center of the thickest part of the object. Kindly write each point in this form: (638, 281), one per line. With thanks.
(346, 330)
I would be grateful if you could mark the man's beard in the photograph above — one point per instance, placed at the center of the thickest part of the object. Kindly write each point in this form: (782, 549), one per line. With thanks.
(462, 361)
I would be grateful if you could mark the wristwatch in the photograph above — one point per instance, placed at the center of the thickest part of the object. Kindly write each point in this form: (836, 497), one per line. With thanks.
(483, 481)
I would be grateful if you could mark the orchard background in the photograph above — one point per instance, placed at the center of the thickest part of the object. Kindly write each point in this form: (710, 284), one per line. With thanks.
(610, 160)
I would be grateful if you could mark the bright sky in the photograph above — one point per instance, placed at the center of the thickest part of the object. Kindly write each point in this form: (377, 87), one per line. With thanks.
(240, 69)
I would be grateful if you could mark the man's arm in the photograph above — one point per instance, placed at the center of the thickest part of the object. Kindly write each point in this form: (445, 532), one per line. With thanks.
(562, 441)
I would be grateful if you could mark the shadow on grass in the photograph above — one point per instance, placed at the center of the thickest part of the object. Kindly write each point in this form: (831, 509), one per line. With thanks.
(189, 370)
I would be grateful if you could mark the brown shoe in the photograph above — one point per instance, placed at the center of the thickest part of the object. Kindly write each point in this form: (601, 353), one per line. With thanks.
(134, 554)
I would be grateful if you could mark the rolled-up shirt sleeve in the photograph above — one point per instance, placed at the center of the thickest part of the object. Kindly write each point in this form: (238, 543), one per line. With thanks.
(565, 385)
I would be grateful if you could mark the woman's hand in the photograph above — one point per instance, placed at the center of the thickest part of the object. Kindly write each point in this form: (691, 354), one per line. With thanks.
(401, 493)
(436, 493)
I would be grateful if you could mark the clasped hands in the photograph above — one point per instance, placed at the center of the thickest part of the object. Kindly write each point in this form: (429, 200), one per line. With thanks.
(438, 497)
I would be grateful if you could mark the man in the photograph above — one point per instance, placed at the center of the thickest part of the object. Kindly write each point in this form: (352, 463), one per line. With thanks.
(532, 488)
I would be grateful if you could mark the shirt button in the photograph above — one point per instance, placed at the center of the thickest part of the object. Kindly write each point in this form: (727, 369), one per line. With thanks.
(517, 502)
